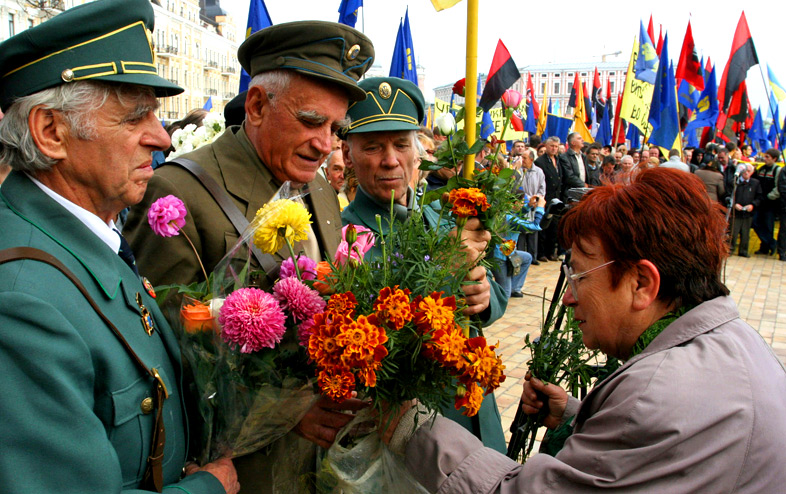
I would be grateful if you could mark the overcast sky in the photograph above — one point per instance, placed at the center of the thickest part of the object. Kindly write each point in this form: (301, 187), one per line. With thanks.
(551, 31)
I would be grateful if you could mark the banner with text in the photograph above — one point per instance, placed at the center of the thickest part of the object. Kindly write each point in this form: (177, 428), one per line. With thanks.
(497, 116)
(637, 96)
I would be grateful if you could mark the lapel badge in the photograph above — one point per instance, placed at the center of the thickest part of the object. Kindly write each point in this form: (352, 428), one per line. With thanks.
(147, 319)
(385, 90)
(149, 287)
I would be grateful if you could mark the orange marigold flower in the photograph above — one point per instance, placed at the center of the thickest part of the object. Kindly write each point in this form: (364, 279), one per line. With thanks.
(360, 339)
(323, 346)
(466, 201)
(434, 312)
(337, 384)
(393, 306)
(483, 365)
(507, 247)
(342, 304)
(471, 400)
(447, 347)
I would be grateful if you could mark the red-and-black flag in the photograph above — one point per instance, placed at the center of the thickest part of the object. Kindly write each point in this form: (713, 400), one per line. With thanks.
(651, 30)
(531, 99)
(502, 74)
(689, 68)
(659, 48)
(743, 57)
(598, 98)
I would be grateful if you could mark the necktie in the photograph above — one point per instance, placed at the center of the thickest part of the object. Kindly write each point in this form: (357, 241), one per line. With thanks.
(126, 254)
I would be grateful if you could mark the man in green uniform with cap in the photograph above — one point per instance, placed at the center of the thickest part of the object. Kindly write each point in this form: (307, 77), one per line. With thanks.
(380, 143)
(89, 368)
(304, 74)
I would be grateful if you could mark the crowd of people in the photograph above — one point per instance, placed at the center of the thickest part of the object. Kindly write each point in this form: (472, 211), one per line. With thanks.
(97, 399)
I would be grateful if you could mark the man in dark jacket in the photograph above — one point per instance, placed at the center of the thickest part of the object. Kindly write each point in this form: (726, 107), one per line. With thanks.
(572, 162)
(747, 198)
(764, 219)
(549, 163)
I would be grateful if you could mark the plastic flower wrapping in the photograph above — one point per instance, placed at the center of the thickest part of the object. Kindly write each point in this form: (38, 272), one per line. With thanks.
(192, 137)
(393, 331)
(243, 333)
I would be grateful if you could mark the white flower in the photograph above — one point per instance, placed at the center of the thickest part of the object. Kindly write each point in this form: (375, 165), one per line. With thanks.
(192, 137)
(446, 124)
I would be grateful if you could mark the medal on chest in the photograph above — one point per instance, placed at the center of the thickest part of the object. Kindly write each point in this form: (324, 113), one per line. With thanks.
(147, 319)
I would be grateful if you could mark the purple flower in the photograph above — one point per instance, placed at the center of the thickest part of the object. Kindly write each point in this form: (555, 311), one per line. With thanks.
(307, 266)
(166, 216)
(251, 319)
(301, 301)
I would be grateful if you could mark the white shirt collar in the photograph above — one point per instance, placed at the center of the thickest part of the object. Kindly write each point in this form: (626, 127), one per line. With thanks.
(105, 231)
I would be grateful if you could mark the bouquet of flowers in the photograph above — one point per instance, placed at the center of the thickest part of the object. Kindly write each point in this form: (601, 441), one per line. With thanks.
(250, 372)
(192, 137)
(390, 333)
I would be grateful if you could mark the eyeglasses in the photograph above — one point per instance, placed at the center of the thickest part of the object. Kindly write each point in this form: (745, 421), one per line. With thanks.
(574, 278)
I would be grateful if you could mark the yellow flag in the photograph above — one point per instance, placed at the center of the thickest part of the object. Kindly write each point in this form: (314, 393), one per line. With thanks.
(444, 4)
(637, 96)
(543, 110)
(579, 116)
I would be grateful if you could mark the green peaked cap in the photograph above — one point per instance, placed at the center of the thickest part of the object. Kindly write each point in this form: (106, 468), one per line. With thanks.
(106, 40)
(391, 104)
(326, 50)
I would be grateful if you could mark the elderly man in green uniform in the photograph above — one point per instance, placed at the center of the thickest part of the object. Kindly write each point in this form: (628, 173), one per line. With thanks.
(380, 143)
(89, 368)
(304, 74)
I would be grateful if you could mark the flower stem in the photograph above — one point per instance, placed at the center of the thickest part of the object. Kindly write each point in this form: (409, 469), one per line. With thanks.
(199, 259)
(294, 259)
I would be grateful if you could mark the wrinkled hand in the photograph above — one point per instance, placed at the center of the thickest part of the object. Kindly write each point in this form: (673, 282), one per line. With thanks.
(477, 296)
(324, 419)
(475, 238)
(557, 397)
(223, 469)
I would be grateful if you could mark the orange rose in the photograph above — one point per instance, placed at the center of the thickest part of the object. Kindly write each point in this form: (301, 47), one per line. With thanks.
(196, 317)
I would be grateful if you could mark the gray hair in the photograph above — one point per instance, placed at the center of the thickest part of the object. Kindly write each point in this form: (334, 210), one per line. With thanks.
(552, 139)
(530, 152)
(76, 102)
(274, 81)
(627, 158)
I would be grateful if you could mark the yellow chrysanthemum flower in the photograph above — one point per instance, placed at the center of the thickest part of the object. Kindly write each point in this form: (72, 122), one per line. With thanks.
(278, 221)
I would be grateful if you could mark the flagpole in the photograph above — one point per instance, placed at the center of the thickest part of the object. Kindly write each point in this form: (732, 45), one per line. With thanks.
(471, 84)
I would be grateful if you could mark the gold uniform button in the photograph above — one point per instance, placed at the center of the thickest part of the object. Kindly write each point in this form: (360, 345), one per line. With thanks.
(67, 75)
(385, 90)
(147, 405)
(353, 52)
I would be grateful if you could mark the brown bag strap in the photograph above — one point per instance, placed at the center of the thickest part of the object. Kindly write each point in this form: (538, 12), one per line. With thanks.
(153, 478)
(239, 221)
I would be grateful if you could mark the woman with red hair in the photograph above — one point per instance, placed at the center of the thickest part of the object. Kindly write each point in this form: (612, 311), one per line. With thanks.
(698, 404)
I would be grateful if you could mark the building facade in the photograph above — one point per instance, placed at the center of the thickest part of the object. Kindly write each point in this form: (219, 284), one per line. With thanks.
(195, 45)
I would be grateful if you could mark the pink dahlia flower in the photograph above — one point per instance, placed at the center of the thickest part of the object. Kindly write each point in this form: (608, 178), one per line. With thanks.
(251, 319)
(301, 301)
(307, 266)
(166, 216)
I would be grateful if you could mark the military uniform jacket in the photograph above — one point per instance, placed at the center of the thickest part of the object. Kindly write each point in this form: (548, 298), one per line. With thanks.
(72, 408)
(232, 161)
(486, 425)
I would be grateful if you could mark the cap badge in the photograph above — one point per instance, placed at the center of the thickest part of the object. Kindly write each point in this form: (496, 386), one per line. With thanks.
(352, 53)
(385, 90)
(67, 75)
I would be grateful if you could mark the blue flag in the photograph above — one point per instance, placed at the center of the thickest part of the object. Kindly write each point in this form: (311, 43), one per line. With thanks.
(403, 63)
(604, 129)
(775, 134)
(692, 139)
(486, 126)
(531, 125)
(258, 18)
(348, 12)
(688, 95)
(208, 104)
(557, 126)
(647, 61)
(634, 136)
(756, 135)
(707, 110)
(664, 114)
